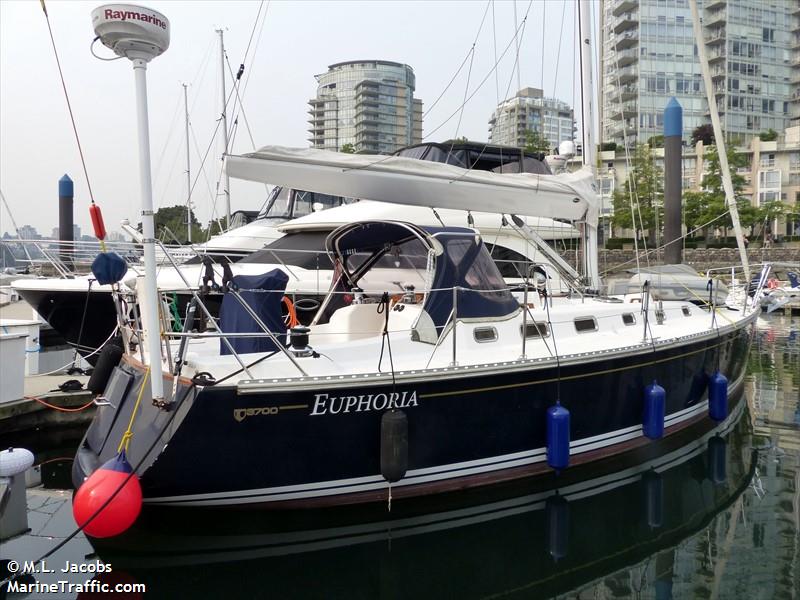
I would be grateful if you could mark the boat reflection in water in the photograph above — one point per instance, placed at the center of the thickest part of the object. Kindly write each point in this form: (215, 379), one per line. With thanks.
(535, 538)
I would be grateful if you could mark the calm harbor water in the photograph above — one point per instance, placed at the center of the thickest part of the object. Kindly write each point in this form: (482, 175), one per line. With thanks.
(711, 515)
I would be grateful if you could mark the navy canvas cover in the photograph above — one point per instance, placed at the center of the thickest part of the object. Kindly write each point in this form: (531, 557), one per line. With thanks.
(466, 263)
(265, 301)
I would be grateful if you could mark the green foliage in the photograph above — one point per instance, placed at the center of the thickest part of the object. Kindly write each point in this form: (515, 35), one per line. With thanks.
(607, 146)
(656, 141)
(348, 149)
(174, 218)
(704, 133)
(700, 207)
(643, 189)
(768, 136)
(534, 142)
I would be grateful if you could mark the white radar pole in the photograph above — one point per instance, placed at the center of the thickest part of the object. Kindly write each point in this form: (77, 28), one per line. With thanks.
(140, 34)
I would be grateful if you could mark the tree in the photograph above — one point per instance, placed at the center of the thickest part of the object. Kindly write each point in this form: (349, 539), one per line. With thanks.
(708, 204)
(607, 146)
(656, 141)
(348, 149)
(703, 133)
(643, 190)
(534, 142)
(174, 219)
(768, 136)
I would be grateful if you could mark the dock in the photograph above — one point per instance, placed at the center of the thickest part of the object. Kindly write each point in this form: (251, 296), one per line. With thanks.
(26, 376)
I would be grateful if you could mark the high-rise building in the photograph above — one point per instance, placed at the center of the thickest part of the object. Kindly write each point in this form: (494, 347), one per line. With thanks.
(368, 104)
(649, 55)
(529, 110)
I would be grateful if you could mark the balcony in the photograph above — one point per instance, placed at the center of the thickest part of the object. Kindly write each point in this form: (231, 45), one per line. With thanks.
(715, 4)
(716, 55)
(627, 74)
(627, 40)
(624, 6)
(795, 42)
(627, 57)
(718, 72)
(624, 93)
(626, 111)
(716, 18)
(718, 36)
(625, 22)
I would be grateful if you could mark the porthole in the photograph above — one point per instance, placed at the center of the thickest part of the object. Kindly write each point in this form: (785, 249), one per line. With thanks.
(535, 330)
(585, 324)
(629, 318)
(485, 334)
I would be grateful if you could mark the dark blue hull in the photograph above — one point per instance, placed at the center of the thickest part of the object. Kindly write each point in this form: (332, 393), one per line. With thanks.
(322, 446)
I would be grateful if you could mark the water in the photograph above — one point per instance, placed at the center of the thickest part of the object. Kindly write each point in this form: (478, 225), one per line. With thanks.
(705, 516)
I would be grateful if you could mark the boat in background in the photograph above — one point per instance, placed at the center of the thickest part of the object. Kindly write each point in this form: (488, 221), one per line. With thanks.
(671, 282)
(62, 302)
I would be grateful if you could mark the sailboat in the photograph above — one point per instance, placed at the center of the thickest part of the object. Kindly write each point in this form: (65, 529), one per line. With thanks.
(421, 372)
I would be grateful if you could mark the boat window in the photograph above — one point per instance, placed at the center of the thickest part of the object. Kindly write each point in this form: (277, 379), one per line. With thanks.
(304, 202)
(534, 330)
(305, 249)
(485, 334)
(629, 319)
(510, 262)
(686, 311)
(585, 324)
(284, 203)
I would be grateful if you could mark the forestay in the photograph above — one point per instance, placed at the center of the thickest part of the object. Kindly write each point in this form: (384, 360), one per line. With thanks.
(402, 180)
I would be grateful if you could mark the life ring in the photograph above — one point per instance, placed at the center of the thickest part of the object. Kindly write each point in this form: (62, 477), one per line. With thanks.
(290, 318)
(772, 283)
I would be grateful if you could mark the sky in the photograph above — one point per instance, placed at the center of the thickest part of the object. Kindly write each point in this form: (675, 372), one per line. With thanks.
(291, 42)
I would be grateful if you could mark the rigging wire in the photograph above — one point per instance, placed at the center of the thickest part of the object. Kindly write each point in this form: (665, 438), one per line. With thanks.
(69, 104)
(469, 57)
(485, 79)
(494, 43)
(255, 48)
(544, 31)
(516, 41)
(558, 48)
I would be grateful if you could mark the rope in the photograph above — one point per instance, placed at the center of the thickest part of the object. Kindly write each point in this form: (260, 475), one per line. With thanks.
(83, 322)
(126, 437)
(59, 408)
(102, 507)
(69, 104)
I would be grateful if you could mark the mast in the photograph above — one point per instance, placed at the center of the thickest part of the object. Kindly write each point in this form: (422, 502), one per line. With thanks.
(188, 169)
(225, 179)
(719, 139)
(588, 231)
(150, 317)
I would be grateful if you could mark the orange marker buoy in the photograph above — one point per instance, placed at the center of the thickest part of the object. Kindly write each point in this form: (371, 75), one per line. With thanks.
(123, 509)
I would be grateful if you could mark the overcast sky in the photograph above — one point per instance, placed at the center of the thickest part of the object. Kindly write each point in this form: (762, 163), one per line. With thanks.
(298, 40)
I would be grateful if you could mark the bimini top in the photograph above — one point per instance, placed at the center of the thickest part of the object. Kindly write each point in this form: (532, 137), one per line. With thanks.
(401, 180)
(478, 156)
(442, 258)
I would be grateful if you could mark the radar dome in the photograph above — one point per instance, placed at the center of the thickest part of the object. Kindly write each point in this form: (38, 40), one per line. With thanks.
(131, 31)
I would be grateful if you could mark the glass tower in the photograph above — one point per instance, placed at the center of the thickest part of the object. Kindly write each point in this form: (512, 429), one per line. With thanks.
(368, 104)
(649, 54)
(530, 110)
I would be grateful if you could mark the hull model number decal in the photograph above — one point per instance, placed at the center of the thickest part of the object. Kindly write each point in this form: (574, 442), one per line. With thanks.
(324, 404)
